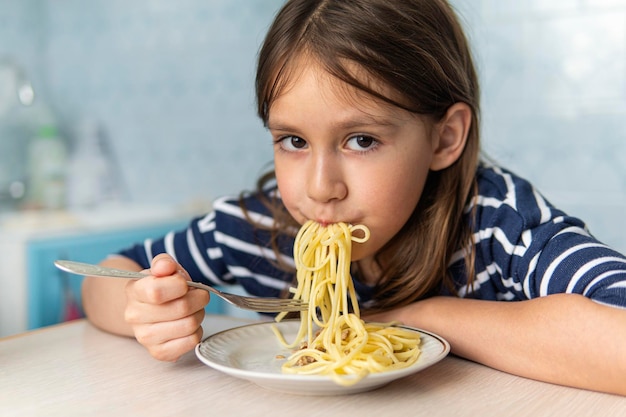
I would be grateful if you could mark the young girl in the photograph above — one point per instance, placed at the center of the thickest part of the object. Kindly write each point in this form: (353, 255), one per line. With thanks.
(373, 110)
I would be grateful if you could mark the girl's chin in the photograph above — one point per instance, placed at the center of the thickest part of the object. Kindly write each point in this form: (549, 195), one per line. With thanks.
(360, 251)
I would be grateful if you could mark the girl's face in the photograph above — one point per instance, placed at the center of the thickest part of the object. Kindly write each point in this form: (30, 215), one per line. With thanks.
(342, 156)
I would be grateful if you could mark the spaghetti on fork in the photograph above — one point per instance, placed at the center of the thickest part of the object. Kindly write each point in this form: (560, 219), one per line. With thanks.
(332, 338)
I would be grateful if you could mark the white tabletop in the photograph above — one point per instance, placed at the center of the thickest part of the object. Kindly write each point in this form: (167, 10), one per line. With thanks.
(75, 369)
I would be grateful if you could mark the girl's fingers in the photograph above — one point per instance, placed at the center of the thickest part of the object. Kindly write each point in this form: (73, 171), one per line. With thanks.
(167, 341)
(166, 315)
(155, 310)
(164, 265)
(156, 290)
(172, 350)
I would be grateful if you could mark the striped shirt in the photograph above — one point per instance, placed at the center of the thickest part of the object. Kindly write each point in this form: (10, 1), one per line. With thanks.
(525, 248)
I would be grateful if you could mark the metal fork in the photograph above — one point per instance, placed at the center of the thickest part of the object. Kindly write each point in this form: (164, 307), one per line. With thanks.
(259, 304)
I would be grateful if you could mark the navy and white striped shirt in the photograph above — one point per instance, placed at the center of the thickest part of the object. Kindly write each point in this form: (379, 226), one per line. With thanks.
(525, 248)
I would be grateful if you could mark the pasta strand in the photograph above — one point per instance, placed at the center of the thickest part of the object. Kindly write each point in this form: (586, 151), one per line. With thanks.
(337, 341)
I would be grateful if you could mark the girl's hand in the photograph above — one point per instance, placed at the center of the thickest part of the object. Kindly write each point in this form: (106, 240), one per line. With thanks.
(165, 314)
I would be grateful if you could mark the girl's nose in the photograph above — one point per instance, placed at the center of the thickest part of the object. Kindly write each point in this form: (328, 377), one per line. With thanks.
(325, 181)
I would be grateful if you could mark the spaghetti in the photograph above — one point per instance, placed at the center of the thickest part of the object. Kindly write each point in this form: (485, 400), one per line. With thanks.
(344, 346)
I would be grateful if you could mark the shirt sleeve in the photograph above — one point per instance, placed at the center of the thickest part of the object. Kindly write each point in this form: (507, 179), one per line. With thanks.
(223, 248)
(526, 248)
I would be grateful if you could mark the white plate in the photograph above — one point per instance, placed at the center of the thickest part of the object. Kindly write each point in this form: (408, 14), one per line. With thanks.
(249, 352)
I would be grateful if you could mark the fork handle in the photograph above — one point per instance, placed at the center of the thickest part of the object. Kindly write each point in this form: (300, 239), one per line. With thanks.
(208, 288)
(81, 268)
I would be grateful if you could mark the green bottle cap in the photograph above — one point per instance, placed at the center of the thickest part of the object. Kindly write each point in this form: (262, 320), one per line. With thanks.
(48, 131)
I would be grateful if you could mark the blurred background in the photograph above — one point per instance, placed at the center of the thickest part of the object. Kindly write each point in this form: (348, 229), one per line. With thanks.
(120, 119)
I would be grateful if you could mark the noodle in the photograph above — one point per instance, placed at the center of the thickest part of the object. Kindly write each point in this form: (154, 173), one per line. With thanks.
(345, 347)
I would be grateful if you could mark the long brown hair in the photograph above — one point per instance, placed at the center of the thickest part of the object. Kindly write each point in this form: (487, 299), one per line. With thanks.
(418, 49)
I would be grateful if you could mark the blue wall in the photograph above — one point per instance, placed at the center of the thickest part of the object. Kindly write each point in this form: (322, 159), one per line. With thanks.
(170, 82)
(554, 100)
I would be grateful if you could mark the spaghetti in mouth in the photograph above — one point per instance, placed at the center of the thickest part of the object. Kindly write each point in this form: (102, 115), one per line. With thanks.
(332, 338)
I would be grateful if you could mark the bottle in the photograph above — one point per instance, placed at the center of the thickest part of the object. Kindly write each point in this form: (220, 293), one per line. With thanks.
(90, 179)
(47, 160)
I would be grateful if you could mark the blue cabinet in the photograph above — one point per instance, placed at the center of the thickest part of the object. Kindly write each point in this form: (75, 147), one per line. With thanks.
(52, 293)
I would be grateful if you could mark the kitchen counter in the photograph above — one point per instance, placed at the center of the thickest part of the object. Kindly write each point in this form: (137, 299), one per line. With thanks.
(74, 369)
(47, 223)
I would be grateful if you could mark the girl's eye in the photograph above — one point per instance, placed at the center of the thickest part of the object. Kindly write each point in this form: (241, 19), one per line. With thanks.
(292, 143)
(361, 143)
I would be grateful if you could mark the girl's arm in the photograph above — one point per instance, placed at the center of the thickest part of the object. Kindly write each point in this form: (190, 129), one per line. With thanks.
(565, 339)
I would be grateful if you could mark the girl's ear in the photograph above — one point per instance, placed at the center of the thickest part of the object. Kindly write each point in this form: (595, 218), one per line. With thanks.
(450, 136)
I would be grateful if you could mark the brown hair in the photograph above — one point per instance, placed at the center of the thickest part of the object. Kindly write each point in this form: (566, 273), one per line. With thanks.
(417, 48)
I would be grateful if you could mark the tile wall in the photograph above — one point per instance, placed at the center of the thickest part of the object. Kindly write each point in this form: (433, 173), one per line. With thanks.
(554, 100)
(172, 84)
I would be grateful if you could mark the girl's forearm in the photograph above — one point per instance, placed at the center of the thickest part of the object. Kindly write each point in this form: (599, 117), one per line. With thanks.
(104, 299)
(563, 339)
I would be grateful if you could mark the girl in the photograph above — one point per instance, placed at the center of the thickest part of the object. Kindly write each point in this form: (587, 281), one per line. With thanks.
(373, 110)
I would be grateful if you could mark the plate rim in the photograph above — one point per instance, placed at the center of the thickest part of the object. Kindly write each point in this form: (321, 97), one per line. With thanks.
(254, 375)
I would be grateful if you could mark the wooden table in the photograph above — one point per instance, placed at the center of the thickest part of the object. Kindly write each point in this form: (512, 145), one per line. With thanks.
(75, 369)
